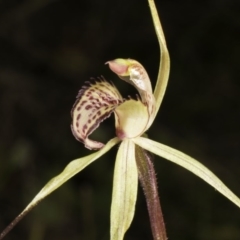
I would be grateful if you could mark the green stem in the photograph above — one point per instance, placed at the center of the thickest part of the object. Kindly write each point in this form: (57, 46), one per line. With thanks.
(148, 181)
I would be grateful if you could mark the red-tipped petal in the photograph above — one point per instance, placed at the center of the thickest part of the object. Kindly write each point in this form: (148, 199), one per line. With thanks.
(119, 66)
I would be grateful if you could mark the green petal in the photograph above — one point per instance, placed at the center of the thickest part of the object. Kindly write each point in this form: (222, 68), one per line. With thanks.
(125, 186)
(189, 163)
(71, 169)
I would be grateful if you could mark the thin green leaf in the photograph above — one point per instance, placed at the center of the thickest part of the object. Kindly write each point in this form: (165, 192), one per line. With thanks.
(189, 163)
(125, 186)
(164, 66)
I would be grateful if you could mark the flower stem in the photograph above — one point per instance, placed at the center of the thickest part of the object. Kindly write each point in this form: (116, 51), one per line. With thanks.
(16, 221)
(148, 181)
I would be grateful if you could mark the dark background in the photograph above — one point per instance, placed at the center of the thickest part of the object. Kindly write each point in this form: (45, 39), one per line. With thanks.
(48, 48)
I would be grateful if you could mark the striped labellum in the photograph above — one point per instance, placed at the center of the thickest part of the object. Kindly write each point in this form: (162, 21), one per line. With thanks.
(97, 100)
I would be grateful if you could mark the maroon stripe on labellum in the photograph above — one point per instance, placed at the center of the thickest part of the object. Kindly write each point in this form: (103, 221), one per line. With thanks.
(84, 128)
(83, 102)
(88, 107)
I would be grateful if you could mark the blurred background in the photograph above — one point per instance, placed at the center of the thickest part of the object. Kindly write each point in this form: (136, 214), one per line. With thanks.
(49, 48)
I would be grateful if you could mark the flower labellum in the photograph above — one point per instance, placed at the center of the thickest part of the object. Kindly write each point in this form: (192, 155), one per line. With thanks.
(94, 103)
(98, 100)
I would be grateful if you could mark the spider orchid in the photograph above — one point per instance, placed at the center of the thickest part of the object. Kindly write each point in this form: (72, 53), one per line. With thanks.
(98, 100)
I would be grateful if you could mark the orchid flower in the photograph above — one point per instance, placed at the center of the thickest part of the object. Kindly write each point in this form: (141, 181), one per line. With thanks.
(95, 102)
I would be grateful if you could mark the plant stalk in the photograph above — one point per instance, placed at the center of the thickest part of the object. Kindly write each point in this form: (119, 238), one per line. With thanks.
(148, 182)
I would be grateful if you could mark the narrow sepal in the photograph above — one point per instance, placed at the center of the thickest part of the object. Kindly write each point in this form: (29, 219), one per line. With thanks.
(189, 163)
(164, 67)
(70, 170)
(124, 194)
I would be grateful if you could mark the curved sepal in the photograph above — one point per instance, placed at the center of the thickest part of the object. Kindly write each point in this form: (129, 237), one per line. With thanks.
(134, 73)
(189, 163)
(164, 66)
(70, 170)
(94, 103)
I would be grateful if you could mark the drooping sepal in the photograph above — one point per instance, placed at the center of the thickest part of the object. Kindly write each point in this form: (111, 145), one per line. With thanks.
(125, 186)
(95, 102)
